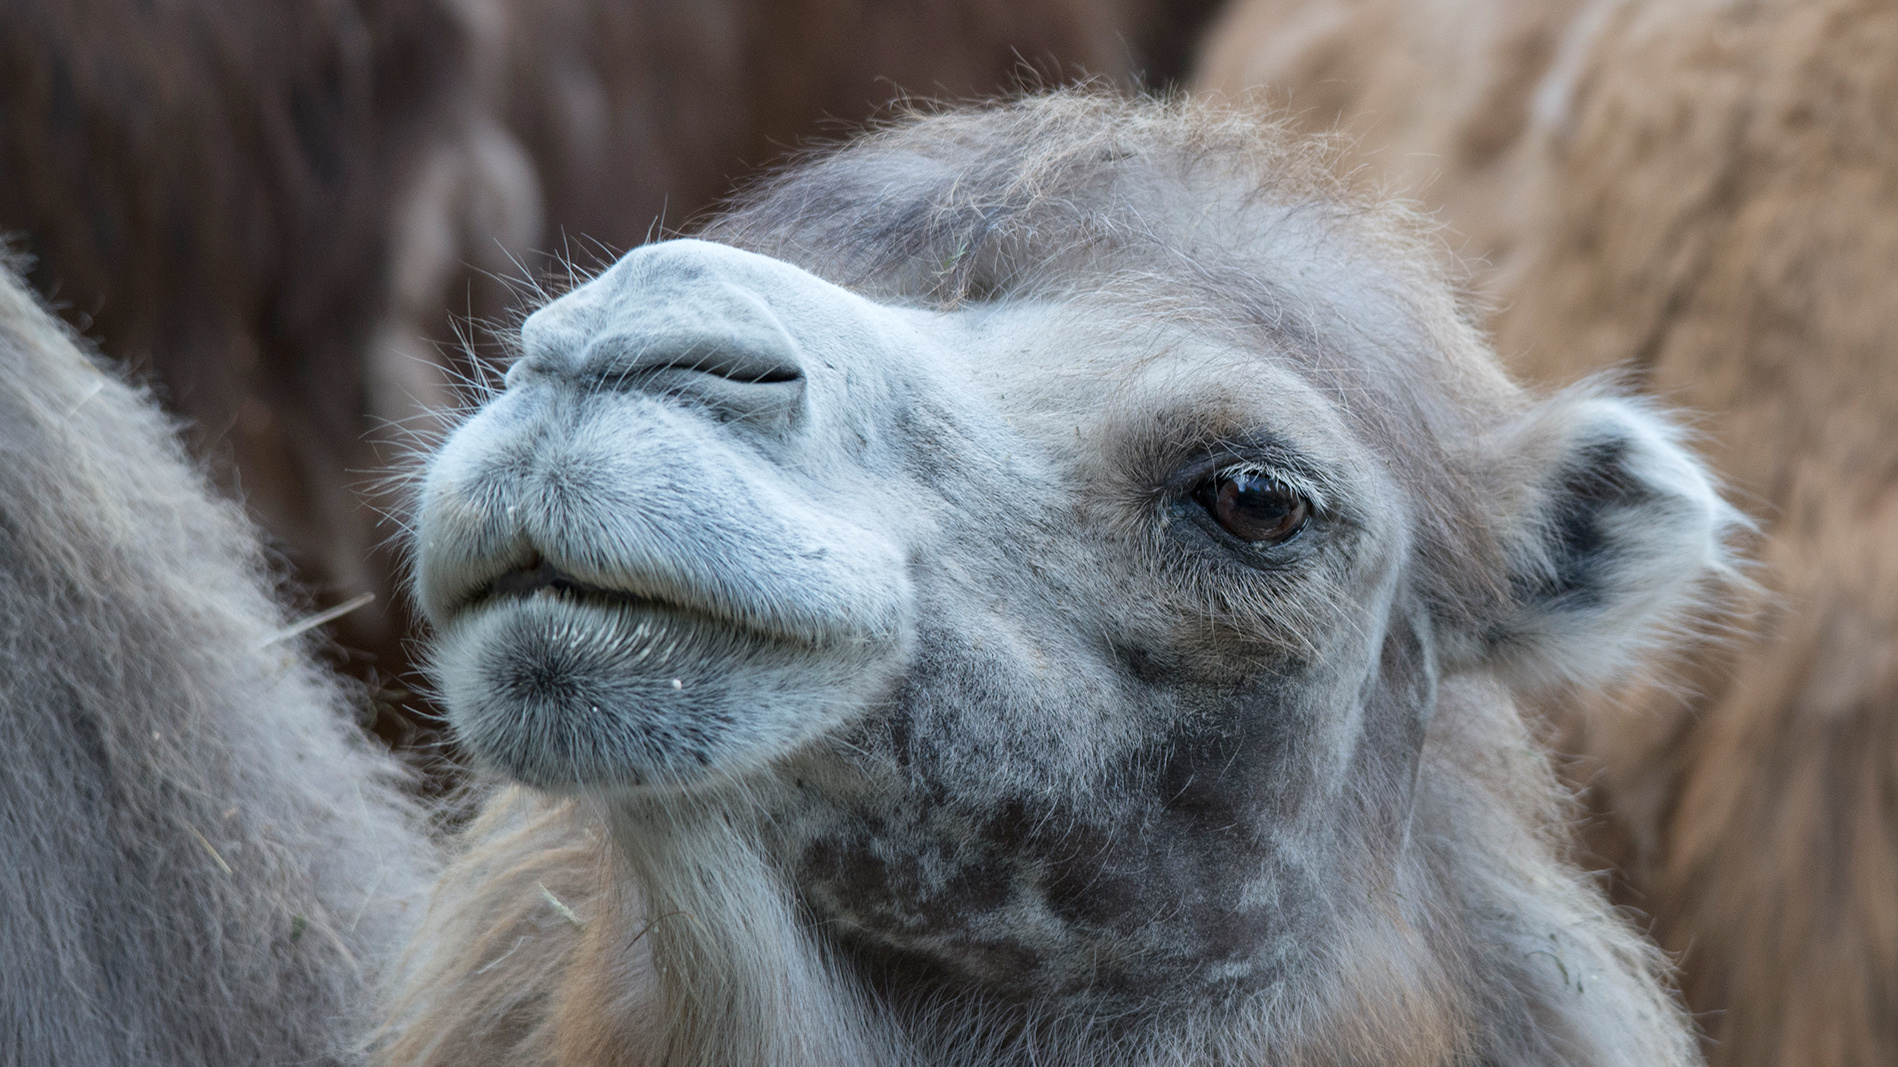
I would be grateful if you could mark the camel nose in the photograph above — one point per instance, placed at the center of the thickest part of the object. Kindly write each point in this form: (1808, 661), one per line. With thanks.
(665, 325)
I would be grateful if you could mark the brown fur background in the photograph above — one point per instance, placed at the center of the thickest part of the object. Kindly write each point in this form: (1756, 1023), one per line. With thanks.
(634, 111)
(1708, 195)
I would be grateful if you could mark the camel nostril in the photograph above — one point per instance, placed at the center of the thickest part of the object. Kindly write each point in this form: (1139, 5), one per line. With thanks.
(729, 351)
(735, 387)
(742, 368)
(769, 376)
(665, 325)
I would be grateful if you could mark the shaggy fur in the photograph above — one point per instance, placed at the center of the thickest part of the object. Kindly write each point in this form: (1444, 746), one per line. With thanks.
(842, 588)
(204, 862)
(1705, 193)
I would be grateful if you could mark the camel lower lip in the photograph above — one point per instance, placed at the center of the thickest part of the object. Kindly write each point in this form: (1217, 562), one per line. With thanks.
(609, 632)
(559, 689)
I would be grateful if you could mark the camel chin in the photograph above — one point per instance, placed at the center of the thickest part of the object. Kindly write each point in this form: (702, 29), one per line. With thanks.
(560, 691)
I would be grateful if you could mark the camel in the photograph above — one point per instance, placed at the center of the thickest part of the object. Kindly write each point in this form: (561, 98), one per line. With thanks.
(1702, 194)
(205, 862)
(1047, 583)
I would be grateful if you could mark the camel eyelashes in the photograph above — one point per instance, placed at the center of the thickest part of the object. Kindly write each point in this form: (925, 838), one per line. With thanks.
(1254, 506)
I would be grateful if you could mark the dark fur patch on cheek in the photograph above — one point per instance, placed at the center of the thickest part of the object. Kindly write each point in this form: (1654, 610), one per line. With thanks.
(1147, 664)
(1203, 783)
(1031, 895)
(1193, 865)
(1090, 886)
(930, 914)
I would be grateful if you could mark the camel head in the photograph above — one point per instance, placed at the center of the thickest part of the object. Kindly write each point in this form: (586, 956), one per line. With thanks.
(1045, 542)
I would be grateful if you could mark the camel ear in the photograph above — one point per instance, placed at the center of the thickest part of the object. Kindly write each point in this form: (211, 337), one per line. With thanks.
(1612, 535)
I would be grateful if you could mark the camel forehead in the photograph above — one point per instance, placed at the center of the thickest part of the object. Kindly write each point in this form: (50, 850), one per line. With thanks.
(1094, 367)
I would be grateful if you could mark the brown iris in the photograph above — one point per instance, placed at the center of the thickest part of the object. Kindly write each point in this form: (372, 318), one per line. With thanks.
(1253, 506)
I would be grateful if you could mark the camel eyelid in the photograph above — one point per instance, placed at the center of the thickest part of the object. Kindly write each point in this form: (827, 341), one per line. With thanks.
(1271, 458)
(1305, 487)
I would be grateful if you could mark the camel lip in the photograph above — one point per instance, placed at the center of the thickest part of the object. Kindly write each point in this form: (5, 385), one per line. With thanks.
(540, 574)
(541, 577)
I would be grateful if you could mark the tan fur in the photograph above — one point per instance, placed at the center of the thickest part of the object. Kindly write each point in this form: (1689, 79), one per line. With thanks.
(1707, 193)
(502, 967)
(1434, 95)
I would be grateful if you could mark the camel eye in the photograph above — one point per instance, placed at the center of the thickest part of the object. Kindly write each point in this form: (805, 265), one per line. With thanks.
(1254, 506)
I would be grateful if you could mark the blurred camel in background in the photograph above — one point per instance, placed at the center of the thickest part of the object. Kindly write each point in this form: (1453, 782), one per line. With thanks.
(206, 862)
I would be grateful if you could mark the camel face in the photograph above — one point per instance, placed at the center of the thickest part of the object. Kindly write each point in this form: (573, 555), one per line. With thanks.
(961, 580)
(1052, 576)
